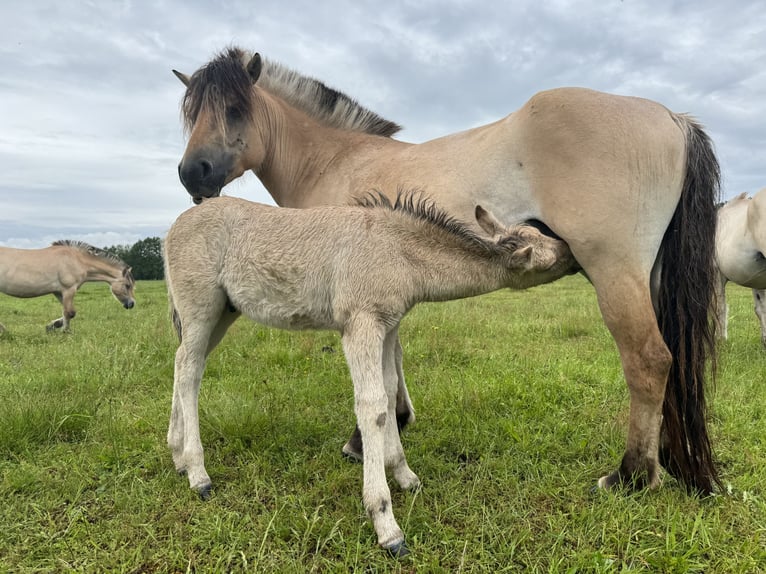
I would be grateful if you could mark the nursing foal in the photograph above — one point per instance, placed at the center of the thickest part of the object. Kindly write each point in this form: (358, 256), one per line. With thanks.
(357, 270)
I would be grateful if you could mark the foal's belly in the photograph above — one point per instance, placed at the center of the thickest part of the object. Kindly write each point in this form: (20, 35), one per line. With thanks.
(283, 315)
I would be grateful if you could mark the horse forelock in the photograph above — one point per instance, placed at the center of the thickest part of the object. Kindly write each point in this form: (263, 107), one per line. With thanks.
(94, 251)
(220, 84)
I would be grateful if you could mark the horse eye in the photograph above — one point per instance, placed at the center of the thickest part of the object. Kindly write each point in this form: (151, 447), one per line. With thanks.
(233, 114)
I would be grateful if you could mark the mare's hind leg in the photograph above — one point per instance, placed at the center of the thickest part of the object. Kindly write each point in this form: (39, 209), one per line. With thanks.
(628, 313)
(759, 299)
(405, 412)
(392, 374)
(203, 325)
(721, 308)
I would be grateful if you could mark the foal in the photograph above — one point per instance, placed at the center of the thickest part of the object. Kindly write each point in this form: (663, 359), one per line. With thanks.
(357, 270)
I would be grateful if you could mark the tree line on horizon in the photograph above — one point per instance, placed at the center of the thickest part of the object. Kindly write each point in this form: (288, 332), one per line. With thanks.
(144, 257)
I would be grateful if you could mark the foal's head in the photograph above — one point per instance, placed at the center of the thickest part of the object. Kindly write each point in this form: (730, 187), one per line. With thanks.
(525, 249)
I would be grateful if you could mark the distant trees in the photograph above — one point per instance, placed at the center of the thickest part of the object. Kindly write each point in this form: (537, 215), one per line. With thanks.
(144, 257)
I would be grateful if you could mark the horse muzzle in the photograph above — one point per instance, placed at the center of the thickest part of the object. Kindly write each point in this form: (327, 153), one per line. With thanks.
(201, 178)
(129, 304)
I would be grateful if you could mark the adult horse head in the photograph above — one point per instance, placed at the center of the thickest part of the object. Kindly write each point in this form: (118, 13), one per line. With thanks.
(218, 114)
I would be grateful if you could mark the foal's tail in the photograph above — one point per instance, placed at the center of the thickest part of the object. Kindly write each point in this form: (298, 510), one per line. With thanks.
(174, 316)
(685, 301)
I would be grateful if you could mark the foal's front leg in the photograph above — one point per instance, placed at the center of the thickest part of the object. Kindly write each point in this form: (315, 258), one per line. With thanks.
(363, 345)
(405, 412)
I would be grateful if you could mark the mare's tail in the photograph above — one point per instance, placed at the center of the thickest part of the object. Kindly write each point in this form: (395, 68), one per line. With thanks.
(686, 296)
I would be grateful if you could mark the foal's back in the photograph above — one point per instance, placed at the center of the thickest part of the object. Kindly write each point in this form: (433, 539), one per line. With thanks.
(289, 268)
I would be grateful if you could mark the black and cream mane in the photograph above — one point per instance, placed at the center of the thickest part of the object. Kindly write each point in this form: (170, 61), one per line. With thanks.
(224, 82)
(421, 208)
(90, 250)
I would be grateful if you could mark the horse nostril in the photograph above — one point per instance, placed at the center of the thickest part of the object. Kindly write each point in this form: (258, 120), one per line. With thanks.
(206, 168)
(129, 305)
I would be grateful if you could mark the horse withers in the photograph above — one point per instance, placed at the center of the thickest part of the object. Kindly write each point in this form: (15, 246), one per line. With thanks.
(631, 186)
(60, 269)
(357, 270)
(740, 254)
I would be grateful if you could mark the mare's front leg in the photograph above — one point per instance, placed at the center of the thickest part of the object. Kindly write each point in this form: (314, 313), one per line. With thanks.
(405, 412)
(363, 340)
(392, 374)
(66, 298)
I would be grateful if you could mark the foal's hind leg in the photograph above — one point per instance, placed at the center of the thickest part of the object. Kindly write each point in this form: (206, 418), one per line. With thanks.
(628, 313)
(202, 328)
(405, 412)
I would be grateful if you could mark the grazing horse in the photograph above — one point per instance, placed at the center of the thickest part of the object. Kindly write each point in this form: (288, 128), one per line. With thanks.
(739, 248)
(61, 268)
(628, 184)
(357, 270)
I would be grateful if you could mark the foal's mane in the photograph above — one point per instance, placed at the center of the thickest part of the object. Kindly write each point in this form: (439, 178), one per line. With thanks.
(224, 81)
(90, 250)
(416, 205)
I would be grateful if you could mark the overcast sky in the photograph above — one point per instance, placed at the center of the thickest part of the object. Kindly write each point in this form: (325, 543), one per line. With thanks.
(90, 135)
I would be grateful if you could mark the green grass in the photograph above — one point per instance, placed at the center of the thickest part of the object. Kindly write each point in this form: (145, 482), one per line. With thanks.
(521, 406)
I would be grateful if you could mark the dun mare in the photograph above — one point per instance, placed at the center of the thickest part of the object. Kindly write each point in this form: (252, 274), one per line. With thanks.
(629, 185)
(61, 269)
(740, 248)
(357, 270)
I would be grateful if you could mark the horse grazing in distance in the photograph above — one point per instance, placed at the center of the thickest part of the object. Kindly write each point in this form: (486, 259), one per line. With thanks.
(740, 249)
(357, 270)
(60, 269)
(628, 184)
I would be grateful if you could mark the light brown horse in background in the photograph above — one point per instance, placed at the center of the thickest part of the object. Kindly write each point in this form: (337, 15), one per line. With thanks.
(357, 270)
(61, 269)
(628, 184)
(741, 254)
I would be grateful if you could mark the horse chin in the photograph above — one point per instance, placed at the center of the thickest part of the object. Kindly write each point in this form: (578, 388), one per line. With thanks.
(197, 199)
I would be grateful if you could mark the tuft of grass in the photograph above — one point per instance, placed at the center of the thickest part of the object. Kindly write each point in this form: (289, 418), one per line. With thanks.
(521, 406)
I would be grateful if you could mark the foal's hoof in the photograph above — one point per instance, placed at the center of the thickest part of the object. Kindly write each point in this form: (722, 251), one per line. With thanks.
(398, 550)
(205, 491)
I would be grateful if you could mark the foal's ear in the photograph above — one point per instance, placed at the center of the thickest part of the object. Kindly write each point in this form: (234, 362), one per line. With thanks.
(488, 222)
(185, 80)
(524, 254)
(254, 67)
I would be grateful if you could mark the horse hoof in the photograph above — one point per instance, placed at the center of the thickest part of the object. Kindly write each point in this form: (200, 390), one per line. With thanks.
(398, 550)
(205, 491)
(351, 455)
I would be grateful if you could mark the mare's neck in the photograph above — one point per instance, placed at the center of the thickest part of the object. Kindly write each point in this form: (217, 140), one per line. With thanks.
(307, 163)
(98, 269)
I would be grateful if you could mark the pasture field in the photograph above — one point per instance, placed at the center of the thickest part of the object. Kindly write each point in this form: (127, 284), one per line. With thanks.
(521, 406)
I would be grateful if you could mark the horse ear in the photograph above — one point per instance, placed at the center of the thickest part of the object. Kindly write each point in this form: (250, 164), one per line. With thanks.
(488, 222)
(126, 270)
(524, 254)
(254, 67)
(185, 80)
